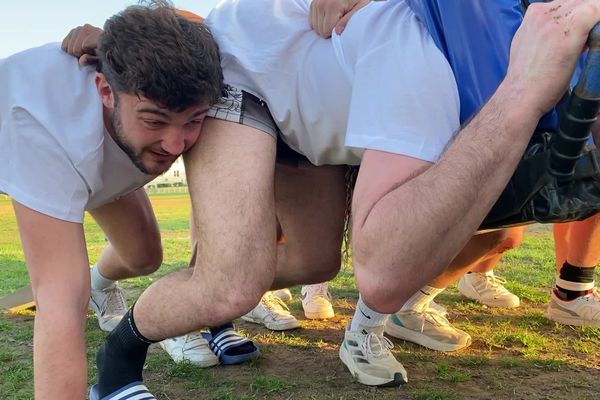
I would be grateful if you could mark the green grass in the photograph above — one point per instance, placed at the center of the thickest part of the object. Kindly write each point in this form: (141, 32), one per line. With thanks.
(515, 353)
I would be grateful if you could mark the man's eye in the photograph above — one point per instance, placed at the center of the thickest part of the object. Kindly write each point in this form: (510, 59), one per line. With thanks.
(153, 123)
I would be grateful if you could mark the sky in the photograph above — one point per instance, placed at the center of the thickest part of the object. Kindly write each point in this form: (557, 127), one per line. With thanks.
(30, 23)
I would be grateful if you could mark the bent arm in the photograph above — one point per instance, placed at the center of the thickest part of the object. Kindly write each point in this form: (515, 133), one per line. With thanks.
(418, 225)
(57, 262)
(417, 218)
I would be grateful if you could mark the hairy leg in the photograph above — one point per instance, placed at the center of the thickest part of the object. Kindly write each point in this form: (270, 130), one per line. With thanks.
(577, 242)
(514, 238)
(310, 203)
(230, 175)
(135, 247)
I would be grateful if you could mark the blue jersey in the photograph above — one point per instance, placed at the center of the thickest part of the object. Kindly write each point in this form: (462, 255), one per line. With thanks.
(475, 37)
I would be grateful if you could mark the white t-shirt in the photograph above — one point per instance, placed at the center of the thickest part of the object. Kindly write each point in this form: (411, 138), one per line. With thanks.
(382, 84)
(55, 154)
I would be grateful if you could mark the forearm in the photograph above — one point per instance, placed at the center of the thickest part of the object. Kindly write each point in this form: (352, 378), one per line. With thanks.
(60, 363)
(58, 267)
(423, 223)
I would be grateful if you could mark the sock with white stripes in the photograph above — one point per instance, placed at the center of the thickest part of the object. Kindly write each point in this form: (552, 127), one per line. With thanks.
(573, 282)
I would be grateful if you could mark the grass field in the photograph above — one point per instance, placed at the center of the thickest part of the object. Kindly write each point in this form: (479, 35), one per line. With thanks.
(516, 354)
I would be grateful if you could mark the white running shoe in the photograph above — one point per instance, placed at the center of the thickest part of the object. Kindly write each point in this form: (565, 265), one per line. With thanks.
(272, 313)
(191, 347)
(368, 357)
(316, 301)
(427, 328)
(109, 305)
(438, 308)
(284, 295)
(487, 289)
(582, 311)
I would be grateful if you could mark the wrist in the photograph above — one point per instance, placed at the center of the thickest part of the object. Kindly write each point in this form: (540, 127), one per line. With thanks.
(519, 109)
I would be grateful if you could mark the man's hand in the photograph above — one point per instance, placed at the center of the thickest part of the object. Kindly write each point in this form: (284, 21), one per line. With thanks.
(546, 48)
(82, 43)
(327, 14)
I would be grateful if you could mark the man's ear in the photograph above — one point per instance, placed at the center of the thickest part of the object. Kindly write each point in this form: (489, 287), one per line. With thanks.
(105, 91)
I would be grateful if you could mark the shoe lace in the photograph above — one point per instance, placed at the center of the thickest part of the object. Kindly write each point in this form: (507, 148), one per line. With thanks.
(114, 301)
(433, 317)
(319, 289)
(194, 340)
(496, 282)
(275, 305)
(377, 345)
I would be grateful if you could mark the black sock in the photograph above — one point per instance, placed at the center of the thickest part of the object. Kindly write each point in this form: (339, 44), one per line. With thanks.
(244, 348)
(574, 274)
(121, 358)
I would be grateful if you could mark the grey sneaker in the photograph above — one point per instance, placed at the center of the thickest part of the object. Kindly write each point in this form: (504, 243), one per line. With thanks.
(272, 313)
(438, 308)
(284, 295)
(427, 328)
(109, 305)
(368, 357)
(582, 311)
(488, 289)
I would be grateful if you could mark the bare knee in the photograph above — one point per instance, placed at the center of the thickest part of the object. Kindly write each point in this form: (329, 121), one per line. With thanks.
(325, 268)
(313, 267)
(227, 304)
(146, 261)
(490, 241)
(501, 241)
(381, 295)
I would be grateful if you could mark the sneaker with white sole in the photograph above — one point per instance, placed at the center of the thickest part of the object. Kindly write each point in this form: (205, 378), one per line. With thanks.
(427, 328)
(191, 347)
(284, 295)
(316, 301)
(272, 313)
(109, 305)
(488, 289)
(582, 311)
(368, 357)
(438, 308)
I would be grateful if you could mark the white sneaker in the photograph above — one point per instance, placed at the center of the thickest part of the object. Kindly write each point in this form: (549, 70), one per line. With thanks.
(487, 289)
(316, 301)
(191, 347)
(272, 313)
(438, 308)
(582, 311)
(368, 357)
(427, 328)
(109, 305)
(284, 295)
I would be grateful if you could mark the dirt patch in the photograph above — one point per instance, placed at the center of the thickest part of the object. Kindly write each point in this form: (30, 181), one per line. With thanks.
(304, 364)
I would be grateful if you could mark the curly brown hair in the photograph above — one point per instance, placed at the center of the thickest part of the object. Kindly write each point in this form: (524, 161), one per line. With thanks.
(149, 50)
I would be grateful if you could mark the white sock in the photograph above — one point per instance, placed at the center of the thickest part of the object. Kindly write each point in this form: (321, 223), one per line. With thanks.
(366, 317)
(98, 281)
(420, 300)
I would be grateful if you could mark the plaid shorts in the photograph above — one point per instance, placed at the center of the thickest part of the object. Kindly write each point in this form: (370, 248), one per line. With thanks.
(244, 108)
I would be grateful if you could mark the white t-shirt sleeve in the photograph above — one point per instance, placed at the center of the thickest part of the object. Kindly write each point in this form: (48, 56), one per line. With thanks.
(404, 99)
(36, 170)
